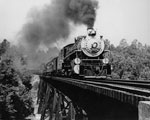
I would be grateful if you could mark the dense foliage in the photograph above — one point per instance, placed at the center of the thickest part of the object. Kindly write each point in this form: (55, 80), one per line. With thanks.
(15, 99)
(130, 61)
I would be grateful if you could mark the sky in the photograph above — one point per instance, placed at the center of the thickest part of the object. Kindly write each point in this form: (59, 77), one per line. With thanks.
(116, 19)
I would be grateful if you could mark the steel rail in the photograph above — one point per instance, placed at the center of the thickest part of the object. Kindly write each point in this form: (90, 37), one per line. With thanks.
(138, 84)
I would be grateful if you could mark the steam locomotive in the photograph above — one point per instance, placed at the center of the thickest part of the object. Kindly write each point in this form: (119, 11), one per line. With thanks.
(87, 57)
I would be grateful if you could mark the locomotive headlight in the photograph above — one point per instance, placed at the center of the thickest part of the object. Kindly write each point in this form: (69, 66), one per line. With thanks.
(77, 61)
(76, 69)
(105, 60)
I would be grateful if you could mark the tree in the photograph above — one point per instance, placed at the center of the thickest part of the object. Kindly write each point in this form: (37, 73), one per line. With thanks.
(123, 43)
(145, 74)
(107, 44)
(4, 46)
(15, 99)
(134, 43)
(131, 62)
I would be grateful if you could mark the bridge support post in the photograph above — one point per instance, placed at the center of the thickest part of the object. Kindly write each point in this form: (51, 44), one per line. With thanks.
(144, 110)
(71, 114)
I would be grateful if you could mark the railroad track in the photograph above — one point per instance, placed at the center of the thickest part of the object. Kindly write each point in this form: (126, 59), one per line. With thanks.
(132, 83)
(131, 88)
(141, 88)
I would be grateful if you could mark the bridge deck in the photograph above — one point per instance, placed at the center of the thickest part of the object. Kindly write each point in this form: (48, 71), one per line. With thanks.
(126, 91)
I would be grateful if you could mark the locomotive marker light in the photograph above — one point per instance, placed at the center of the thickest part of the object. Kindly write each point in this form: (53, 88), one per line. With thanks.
(77, 61)
(112, 67)
(76, 69)
(105, 60)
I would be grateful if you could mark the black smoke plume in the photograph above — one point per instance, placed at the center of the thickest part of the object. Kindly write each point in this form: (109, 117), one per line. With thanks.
(46, 26)
(82, 11)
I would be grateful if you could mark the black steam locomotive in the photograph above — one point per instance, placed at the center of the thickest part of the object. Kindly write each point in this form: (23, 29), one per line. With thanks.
(87, 57)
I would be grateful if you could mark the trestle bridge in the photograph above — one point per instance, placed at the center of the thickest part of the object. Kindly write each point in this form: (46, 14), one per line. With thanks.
(62, 98)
